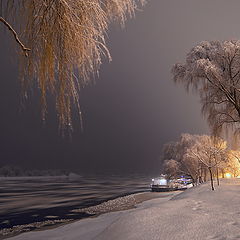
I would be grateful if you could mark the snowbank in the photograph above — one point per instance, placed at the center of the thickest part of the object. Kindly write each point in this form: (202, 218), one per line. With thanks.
(196, 214)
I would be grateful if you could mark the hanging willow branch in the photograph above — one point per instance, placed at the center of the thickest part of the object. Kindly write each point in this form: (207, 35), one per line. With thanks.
(67, 42)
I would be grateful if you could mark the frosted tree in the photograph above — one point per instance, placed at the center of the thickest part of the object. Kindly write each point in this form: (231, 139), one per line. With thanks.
(169, 150)
(192, 166)
(178, 151)
(233, 163)
(188, 165)
(209, 151)
(213, 70)
(61, 44)
(194, 155)
(235, 154)
(171, 168)
(223, 166)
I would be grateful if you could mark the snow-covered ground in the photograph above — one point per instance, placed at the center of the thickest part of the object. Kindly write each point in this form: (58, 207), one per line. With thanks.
(196, 214)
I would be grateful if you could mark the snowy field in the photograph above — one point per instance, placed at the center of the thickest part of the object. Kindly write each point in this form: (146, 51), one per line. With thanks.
(196, 214)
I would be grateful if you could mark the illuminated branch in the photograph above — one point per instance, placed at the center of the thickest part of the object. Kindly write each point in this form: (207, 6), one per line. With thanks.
(25, 50)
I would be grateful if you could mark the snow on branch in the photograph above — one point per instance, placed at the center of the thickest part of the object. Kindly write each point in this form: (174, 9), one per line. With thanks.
(212, 70)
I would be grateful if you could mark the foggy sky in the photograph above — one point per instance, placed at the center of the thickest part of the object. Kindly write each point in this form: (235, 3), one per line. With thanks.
(134, 107)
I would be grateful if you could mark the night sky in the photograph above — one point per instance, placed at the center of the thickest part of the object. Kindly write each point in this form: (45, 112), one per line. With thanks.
(133, 108)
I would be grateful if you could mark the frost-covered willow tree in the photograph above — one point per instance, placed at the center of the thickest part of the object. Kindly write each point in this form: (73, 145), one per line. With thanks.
(213, 70)
(210, 152)
(233, 165)
(61, 44)
(194, 155)
(178, 161)
(171, 168)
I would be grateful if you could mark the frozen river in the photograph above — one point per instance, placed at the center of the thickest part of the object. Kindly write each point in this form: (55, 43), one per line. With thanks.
(26, 200)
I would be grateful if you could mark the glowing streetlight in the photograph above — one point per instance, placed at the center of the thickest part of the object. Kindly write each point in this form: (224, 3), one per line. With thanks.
(228, 175)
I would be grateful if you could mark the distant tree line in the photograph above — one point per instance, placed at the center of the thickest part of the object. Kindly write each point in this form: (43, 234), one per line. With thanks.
(14, 171)
(201, 157)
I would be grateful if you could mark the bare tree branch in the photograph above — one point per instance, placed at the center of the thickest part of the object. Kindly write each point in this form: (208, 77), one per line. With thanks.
(67, 40)
(25, 49)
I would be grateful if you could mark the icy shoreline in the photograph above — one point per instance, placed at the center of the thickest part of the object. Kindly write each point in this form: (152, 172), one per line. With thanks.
(123, 203)
(195, 214)
(117, 204)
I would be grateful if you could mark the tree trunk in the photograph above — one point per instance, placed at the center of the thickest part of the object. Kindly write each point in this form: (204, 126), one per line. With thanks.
(205, 174)
(200, 180)
(211, 177)
(222, 173)
(218, 183)
(193, 180)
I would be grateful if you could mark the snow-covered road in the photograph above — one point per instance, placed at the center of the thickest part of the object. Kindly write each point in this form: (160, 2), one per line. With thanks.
(196, 214)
